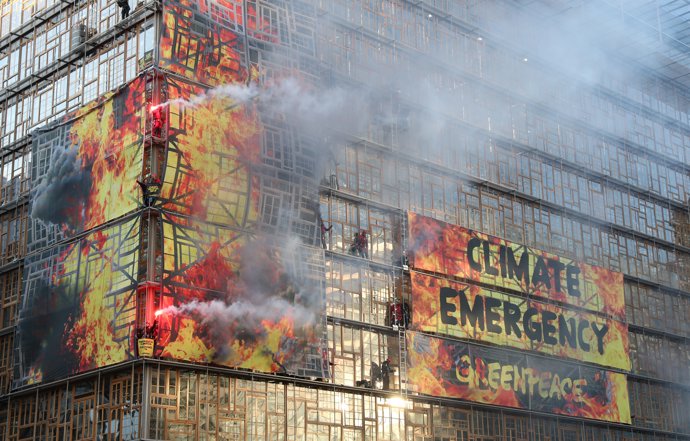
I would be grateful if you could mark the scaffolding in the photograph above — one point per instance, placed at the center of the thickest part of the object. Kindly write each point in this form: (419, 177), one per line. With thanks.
(524, 184)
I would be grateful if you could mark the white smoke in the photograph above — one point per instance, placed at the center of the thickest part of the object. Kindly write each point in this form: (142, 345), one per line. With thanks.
(315, 111)
(269, 284)
(240, 93)
(220, 313)
(311, 111)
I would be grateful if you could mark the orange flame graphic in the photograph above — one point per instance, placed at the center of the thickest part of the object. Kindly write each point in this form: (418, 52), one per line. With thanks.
(108, 147)
(106, 137)
(449, 369)
(443, 248)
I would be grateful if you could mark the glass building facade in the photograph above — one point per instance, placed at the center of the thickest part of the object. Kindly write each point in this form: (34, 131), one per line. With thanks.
(194, 133)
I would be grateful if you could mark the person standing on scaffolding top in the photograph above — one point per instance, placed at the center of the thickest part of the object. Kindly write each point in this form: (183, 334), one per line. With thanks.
(124, 6)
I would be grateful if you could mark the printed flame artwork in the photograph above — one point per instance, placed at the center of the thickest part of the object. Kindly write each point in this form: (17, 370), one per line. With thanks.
(454, 369)
(236, 301)
(472, 312)
(224, 293)
(213, 144)
(79, 304)
(449, 249)
(86, 167)
(203, 41)
(230, 296)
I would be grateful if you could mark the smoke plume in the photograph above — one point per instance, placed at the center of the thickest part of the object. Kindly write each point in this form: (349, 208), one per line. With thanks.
(240, 93)
(269, 285)
(60, 195)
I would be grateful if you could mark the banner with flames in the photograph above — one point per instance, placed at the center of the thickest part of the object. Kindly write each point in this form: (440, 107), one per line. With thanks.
(79, 304)
(454, 369)
(469, 311)
(223, 289)
(85, 167)
(203, 40)
(214, 143)
(231, 295)
(78, 308)
(240, 301)
(449, 249)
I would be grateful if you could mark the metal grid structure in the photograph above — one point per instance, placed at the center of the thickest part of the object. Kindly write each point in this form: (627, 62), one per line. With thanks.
(597, 173)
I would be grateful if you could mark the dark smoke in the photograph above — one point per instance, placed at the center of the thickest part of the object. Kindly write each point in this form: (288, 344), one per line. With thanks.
(42, 333)
(63, 192)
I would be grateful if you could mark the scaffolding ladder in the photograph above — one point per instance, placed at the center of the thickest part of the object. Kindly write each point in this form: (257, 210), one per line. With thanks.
(402, 360)
(150, 271)
(402, 334)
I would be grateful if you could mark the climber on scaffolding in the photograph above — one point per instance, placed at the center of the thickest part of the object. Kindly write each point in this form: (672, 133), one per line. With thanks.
(360, 245)
(152, 330)
(149, 330)
(124, 6)
(158, 122)
(150, 186)
(363, 244)
(386, 372)
(324, 230)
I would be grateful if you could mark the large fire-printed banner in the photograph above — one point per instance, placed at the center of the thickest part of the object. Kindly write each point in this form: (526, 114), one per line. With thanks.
(78, 308)
(472, 312)
(78, 305)
(231, 296)
(85, 167)
(214, 142)
(453, 369)
(241, 300)
(203, 40)
(449, 249)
